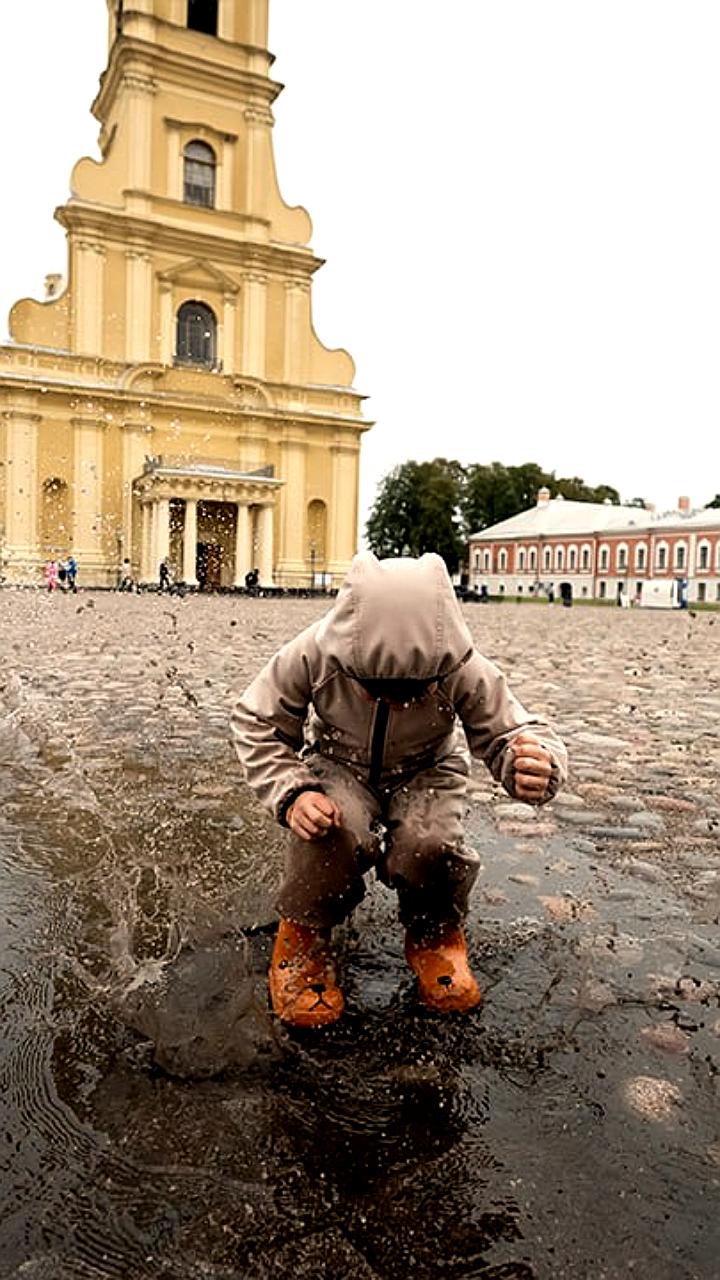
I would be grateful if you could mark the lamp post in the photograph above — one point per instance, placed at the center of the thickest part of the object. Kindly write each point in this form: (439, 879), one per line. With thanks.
(312, 566)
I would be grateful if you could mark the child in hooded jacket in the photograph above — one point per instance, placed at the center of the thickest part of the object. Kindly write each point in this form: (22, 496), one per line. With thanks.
(355, 736)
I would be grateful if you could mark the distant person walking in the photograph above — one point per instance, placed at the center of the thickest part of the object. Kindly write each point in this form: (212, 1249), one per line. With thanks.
(165, 576)
(71, 573)
(252, 579)
(51, 573)
(127, 582)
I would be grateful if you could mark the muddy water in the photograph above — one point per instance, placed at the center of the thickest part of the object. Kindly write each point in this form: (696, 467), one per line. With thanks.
(156, 1123)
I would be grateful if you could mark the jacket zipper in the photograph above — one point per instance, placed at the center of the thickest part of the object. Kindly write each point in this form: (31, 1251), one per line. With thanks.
(377, 747)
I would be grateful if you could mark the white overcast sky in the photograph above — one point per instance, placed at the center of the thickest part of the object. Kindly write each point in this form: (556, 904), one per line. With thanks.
(518, 202)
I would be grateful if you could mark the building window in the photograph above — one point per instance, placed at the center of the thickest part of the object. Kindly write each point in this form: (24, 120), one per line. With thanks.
(519, 588)
(717, 591)
(604, 558)
(547, 559)
(521, 561)
(622, 558)
(680, 555)
(661, 556)
(196, 333)
(202, 15)
(704, 556)
(572, 559)
(199, 174)
(640, 558)
(477, 561)
(584, 591)
(559, 556)
(486, 561)
(586, 558)
(603, 590)
(502, 561)
(701, 592)
(533, 559)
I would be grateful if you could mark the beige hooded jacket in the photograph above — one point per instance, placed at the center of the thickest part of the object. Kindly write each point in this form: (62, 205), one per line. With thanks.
(391, 620)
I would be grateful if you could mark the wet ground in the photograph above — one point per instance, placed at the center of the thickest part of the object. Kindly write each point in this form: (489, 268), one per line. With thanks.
(155, 1123)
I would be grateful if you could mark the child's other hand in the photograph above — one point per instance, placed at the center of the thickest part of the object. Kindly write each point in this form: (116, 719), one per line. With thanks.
(312, 815)
(533, 768)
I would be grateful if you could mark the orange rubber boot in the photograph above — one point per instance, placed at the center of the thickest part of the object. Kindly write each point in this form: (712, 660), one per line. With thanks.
(441, 968)
(303, 987)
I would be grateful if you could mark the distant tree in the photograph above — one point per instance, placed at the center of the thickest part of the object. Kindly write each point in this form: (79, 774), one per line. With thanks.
(490, 494)
(417, 510)
(715, 502)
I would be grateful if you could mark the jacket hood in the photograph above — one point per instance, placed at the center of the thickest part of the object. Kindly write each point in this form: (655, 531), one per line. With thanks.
(396, 620)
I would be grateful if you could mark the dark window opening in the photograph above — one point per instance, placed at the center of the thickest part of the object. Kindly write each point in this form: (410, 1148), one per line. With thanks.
(203, 16)
(199, 174)
(196, 331)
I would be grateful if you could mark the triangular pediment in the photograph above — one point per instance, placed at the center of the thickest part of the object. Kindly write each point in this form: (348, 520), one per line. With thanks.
(198, 271)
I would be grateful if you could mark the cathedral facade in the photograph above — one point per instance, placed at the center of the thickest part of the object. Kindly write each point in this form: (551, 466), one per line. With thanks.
(170, 400)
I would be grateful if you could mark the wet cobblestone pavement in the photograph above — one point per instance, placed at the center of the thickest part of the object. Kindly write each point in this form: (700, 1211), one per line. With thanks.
(155, 1123)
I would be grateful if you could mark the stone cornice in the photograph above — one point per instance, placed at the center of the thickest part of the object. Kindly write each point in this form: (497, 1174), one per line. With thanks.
(200, 127)
(164, 65)
(119, 227)
(155, 487)
(89, 424)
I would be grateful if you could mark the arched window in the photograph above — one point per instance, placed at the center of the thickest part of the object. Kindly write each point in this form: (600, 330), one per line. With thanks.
(586, 557)
(533, 559)
(486, 561)
(547, 559)
(680, 555)
(502, 560)
(196, 330)
(199, 174)
(572, 559)
(559, 558)
(640, 553)
(604, 559)
(521, 561)
(622, 557)
(704, 555)
(661, 555)
(203, 16)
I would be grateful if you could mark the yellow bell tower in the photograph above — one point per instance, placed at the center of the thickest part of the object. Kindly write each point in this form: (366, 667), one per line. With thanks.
(172, 401)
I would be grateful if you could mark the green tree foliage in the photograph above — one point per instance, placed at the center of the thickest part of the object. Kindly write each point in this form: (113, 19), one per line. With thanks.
(417, 510)
(435, 506)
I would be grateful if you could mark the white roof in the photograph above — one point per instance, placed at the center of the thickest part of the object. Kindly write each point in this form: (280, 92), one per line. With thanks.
(562, 517)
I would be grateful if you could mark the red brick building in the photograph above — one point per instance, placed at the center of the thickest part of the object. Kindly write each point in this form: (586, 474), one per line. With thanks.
(600, 551)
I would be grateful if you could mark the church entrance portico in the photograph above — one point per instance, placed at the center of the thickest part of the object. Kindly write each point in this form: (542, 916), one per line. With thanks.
(211, 522)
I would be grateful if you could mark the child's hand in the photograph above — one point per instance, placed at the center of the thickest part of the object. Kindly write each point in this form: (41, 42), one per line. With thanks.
(533, 768)
(312, 815)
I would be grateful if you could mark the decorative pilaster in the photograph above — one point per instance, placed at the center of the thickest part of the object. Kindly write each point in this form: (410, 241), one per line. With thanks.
(167, 324)
(21, 478)
(259, 121)
(293, 451)
(297, 330)
(254, 324)
(134, 445)
(226, 174)
(227, 350)
(190, 543)
(88, 291)
(88, 502)
(138, 305)
(141, 90)
(343, 509)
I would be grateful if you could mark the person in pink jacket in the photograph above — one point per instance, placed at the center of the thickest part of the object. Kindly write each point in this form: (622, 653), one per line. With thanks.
(356, 736)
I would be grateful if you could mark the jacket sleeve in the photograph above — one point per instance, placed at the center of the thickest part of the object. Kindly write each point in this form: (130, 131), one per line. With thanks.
(267, 727)
(492, 716)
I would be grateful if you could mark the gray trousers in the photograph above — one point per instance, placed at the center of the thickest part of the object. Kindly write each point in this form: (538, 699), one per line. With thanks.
(411, 833)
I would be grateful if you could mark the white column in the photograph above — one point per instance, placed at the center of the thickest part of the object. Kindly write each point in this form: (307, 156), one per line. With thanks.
(162, 539)
(265, 545)
(138, 306)
(190, 542)
(88, 497)
(225, 22)
(227, 347)
(146, 574)
(243, 547)
(254, 334)
(21, 532)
